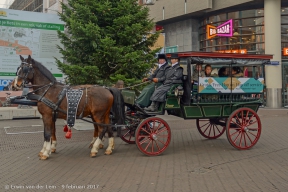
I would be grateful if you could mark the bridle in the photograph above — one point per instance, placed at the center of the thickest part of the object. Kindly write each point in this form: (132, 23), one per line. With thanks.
(27, 68)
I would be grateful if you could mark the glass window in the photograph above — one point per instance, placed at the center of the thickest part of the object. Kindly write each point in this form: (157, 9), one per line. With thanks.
(248, 33)
(284, 10)
(259, 21)
(284, 19)
(222, 17)
(212, 19)
(284, 37)
(248, 22)
(233, 15)
(284, 28)
(252, 13)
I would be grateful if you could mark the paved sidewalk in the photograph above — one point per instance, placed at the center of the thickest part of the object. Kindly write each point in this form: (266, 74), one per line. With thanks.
(191, 162)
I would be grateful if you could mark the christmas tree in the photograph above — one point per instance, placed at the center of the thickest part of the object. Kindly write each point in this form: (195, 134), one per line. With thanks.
(106, 41)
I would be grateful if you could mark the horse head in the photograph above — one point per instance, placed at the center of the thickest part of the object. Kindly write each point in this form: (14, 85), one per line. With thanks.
(24, 72)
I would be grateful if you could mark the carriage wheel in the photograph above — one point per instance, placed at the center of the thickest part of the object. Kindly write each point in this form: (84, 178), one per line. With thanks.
(211, 128)
(243, 128)
(127, 133)
(153, 136)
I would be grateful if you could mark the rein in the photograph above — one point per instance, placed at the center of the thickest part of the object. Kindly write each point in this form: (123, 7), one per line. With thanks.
(129, 87)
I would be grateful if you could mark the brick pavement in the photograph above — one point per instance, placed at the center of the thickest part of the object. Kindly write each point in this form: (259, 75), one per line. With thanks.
(191, 163)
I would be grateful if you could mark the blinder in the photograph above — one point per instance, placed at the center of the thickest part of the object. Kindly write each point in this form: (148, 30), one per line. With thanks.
(26, 68)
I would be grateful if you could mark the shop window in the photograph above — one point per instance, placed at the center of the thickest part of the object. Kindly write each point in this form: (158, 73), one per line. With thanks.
(284, 37)
(284, 19)
(284, 28)
(284, 10)
(222, 17)
(259, 21)
(252, 13)
(233, 15)
(252, 30)
(212, 20)
(249, 22)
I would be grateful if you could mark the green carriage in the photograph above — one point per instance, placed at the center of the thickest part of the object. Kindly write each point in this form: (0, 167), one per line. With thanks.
(217, 103)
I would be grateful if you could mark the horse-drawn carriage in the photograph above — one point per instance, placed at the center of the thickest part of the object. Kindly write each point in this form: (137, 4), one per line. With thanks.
(218, 104)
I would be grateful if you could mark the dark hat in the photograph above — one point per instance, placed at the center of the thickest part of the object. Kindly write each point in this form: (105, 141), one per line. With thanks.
(162, 56)
(174, 56)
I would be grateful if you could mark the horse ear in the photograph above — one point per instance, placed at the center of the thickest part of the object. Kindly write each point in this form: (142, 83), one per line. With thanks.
(29, 57)
(21, 58)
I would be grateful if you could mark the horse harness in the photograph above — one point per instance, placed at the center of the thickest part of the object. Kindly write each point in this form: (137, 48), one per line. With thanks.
(73, 98)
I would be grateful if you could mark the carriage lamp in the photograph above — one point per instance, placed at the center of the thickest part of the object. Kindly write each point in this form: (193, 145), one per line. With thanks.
(179, 91)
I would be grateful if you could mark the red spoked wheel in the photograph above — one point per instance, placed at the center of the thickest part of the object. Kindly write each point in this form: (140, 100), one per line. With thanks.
(243, 128)
(211, 128)
(153, 136)
(127, 133)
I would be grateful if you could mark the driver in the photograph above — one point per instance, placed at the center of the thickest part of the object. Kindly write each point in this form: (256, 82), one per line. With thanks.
(174, 75)
(157, 77)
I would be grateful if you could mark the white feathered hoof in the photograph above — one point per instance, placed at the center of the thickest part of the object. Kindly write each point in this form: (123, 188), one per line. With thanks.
(93, 154)
(53, 150)
(108, 152)
(43, 157)
(40, 154)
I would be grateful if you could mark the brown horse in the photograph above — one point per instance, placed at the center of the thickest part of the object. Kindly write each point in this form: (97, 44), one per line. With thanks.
(97, 102)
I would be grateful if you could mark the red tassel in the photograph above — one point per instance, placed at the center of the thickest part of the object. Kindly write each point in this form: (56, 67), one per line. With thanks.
(68, 134)
(65, 128)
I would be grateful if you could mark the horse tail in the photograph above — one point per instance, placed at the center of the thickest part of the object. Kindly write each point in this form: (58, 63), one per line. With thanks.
(118, 107)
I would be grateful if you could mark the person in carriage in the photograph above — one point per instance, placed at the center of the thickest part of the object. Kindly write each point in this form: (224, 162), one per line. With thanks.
(157, 77)
(174, 75)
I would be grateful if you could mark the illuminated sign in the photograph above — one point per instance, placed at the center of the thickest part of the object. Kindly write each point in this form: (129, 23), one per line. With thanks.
(222, 30)
(241, 51)
(285, 51)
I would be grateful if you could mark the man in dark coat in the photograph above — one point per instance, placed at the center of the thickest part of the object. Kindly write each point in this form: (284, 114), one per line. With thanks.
(174, 75)
(157, 77)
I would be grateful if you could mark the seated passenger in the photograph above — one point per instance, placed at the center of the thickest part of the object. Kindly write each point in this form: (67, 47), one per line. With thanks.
(198, 72)
(157, 77)
(208, 71)
(236, 72)
(174, 75)
(223, 72)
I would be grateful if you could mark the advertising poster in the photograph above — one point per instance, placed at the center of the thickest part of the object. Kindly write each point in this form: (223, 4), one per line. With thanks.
(228, 84)
(28, 33)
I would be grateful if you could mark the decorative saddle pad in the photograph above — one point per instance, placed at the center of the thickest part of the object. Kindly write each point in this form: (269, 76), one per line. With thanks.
(73, 97)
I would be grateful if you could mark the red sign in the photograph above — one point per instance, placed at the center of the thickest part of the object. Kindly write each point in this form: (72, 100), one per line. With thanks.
(159, 28)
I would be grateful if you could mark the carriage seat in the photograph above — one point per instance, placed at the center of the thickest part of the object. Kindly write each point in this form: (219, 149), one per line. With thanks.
(177, 83)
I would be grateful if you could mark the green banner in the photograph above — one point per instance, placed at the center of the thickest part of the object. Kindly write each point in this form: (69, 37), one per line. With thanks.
(58, 75)
(7, 74)
(171, 49)
(29, 24)
(14, 74)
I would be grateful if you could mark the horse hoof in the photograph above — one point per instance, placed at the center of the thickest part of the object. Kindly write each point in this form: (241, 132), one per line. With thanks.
(108, 152)
(101, 146)
(93, 154)
(43, 157)
(53, 150)
(40, 154)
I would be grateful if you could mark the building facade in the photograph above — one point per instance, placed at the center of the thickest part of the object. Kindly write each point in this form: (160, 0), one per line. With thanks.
(257, 27)
(27, 5)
